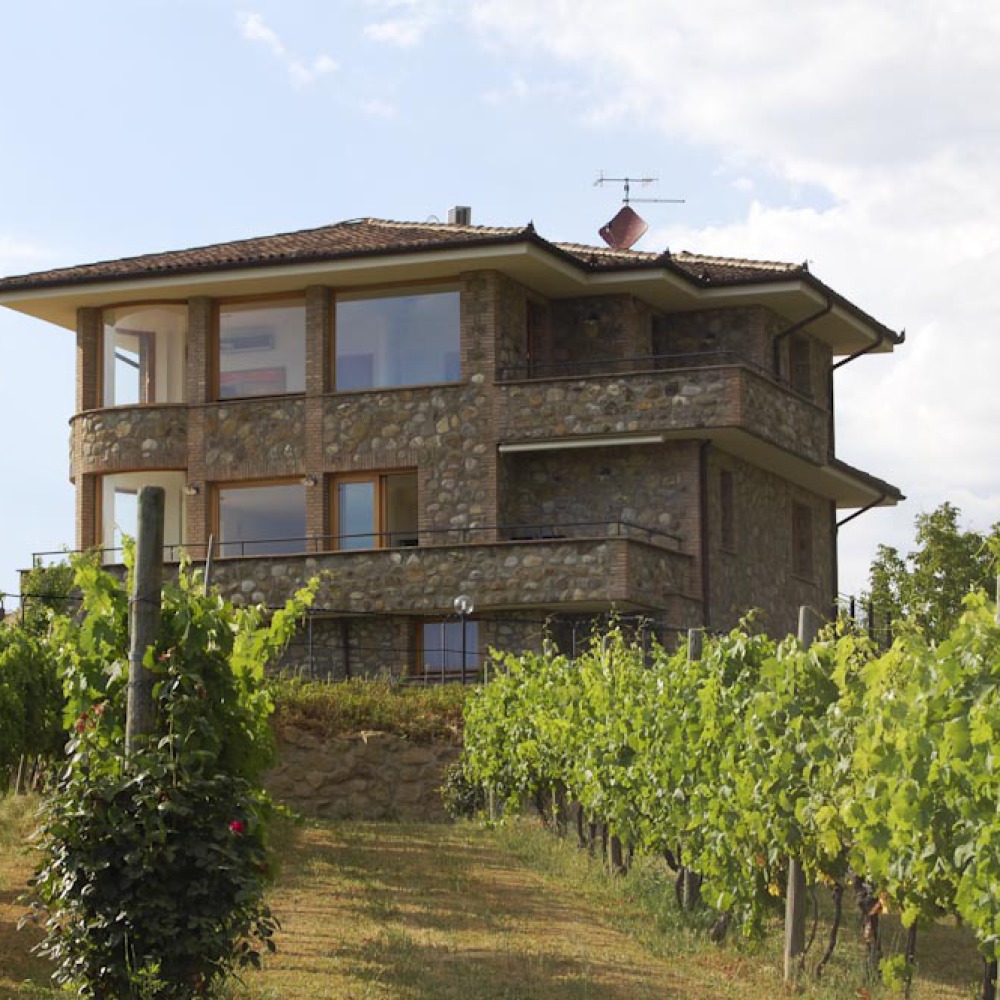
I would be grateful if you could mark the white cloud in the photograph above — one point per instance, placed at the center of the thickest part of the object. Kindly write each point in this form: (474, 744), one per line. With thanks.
(884, 108)
(408, 21)
(302, 72)
(377, 108)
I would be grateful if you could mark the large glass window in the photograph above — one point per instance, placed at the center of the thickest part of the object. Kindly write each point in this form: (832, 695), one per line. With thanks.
(144, 355)
(375, 511)
(262, 349)
(261, 520)
(119, 511)
(444, 650)
(408, 338)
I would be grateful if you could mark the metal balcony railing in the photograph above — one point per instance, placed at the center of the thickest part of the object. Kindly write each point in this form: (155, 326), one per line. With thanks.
(592, 367)
(562, 531)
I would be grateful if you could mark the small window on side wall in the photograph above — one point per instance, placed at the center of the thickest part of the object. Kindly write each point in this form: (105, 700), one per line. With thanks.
(261, 349)
(802, 541)
(444, 652)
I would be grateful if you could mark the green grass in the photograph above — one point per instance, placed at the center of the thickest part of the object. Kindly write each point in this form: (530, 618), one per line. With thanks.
(422, 714)
(374, 911)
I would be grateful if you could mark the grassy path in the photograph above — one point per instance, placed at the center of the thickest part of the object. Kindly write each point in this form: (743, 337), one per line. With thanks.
(432, 913)
(375, 911)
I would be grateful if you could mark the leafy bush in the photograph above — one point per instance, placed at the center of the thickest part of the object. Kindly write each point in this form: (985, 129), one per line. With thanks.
(154, 864)
(463, 798)
(30, 700)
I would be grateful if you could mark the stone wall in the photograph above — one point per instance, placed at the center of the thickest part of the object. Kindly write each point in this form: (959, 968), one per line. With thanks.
(757, 572)
(444, 432)
(425, 580)
(128, 438)
(655, 486)
(372, 776)
(255, 438)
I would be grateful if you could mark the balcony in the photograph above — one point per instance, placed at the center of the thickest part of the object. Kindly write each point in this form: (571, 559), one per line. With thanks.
(588, 566)
(130, 438)
(664, 394)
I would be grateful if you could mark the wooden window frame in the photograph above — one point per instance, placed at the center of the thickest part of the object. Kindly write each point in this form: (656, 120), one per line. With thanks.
(150, 372)
(216, 488)
(380, 529)
(215, 340)
(473, 652)
(421, 286)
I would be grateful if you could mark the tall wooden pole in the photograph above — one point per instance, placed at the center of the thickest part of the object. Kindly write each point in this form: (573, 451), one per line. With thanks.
(690, 881)
(144, 613)
(795, 899)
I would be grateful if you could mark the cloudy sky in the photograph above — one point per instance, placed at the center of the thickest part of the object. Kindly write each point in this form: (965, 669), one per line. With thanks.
(859, 135)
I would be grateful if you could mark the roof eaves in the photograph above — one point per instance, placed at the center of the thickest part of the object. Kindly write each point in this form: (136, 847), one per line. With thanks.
(62, 278)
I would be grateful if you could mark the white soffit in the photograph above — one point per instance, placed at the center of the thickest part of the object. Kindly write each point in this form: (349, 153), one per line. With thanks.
(564, 444)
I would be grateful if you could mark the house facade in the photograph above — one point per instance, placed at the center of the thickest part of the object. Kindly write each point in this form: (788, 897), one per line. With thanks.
(420, 411)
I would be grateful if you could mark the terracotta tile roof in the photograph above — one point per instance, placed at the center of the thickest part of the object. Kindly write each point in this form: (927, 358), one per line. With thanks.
(360, 237)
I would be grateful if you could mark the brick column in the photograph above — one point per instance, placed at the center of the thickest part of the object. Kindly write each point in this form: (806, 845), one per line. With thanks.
(88, 531)
(319, 347)
(89, 328)
(198, 384)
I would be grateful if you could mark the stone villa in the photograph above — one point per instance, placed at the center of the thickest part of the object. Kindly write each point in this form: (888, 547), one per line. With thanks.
(428, 410)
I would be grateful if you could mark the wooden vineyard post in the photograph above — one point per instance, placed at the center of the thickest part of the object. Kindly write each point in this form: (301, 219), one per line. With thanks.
(690, 883)
(144, 613)
(795, 898)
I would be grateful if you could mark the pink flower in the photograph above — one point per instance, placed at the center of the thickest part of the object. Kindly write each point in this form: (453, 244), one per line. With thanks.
(236, 827)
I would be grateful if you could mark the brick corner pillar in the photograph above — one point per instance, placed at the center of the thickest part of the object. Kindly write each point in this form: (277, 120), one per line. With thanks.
(319, 360)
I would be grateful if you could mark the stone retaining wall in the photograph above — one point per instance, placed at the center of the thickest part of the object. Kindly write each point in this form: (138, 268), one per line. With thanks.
(369, 776)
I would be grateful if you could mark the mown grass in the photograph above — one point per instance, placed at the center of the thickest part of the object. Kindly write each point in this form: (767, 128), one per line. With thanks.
(375, 911)
(423, 714)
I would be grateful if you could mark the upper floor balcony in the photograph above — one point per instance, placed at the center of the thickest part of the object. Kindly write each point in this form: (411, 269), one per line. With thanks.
(665, 394)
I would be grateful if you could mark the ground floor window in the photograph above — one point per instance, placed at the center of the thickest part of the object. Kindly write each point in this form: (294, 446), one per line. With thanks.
(119, 507)
(443, 647)
(258, 519)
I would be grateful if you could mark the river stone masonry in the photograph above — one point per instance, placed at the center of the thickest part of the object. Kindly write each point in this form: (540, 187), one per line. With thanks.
(371, 776)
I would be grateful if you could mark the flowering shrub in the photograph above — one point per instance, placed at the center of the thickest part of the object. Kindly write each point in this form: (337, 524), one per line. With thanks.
(155, 864)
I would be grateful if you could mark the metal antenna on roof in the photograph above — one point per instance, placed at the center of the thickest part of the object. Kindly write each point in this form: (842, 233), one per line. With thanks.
(627, 227)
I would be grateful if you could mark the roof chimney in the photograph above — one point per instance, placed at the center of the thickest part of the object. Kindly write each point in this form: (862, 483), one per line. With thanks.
(460, 215)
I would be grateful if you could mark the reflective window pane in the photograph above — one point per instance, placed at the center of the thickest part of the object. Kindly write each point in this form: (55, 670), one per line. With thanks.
(443, 647)
(143, 355)
(262, 349)
(400, 500)
(262, 520)
(404, 339)
(356, 515)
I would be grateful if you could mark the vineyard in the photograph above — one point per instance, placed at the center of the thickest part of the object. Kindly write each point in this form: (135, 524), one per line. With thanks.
(874, 772)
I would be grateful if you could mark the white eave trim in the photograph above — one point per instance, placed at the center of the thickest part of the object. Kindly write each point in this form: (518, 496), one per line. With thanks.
(563, 444)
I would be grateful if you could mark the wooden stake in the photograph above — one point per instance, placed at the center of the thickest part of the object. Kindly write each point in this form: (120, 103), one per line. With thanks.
(795, 899)
(691, 881)
(144, 613)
